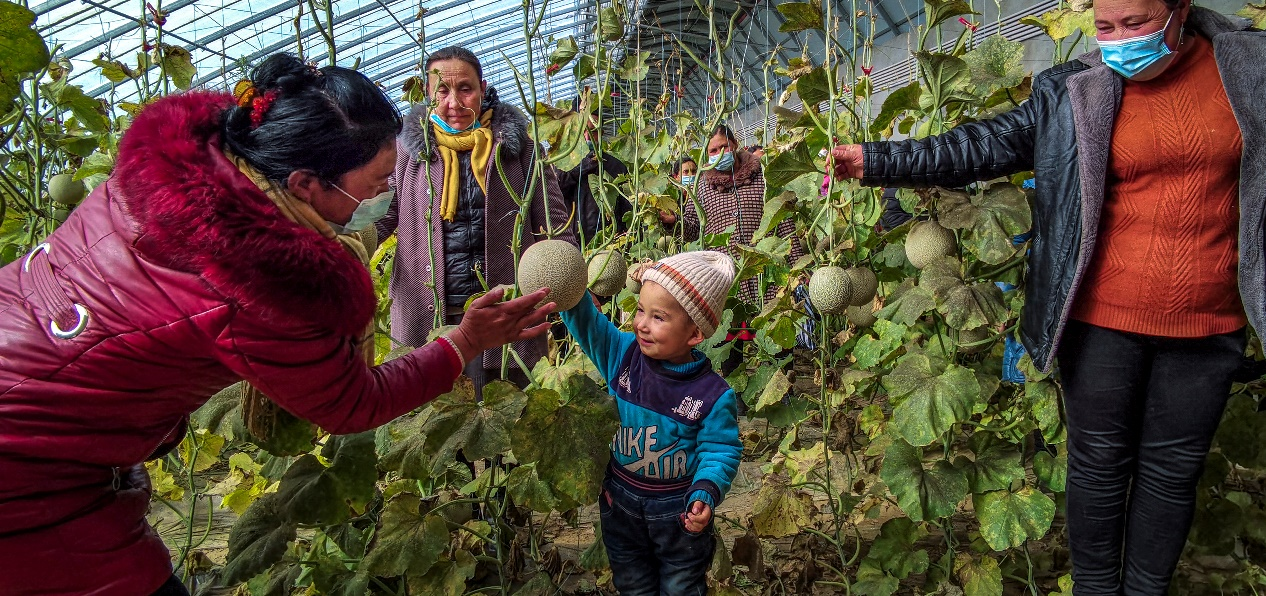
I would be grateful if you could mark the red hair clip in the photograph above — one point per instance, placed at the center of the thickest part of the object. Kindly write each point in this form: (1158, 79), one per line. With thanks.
(259, 107)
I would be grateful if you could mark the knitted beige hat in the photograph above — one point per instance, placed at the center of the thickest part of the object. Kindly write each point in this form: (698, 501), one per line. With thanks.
(699, 281)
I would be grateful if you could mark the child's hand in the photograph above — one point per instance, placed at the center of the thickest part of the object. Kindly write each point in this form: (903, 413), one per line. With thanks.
(697, 517)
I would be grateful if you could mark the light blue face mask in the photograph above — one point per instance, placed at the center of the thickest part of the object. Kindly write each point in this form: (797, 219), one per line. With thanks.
(435, 118)
(367, 211)
(1139, 58)
(687, 180)
(723, 162)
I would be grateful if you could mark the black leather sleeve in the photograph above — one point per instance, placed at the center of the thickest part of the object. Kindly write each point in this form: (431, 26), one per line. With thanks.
(974, 151)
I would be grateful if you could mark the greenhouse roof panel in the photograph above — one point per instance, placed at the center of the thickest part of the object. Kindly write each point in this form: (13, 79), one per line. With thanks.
(380, 37)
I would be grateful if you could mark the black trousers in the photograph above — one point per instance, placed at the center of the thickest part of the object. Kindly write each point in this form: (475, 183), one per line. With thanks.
(1141, 414)
(172, 587)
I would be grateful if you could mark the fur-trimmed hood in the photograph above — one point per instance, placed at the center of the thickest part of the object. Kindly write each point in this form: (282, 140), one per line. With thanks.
(509, 130)
(195, 212)
(746, 169)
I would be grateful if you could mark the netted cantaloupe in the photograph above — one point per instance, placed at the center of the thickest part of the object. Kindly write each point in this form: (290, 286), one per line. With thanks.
(862, 316)
(607, 270)
(830, 290)
(64, 189)
(928, 241)
(864, 284)
(974, 341)
(557, 265)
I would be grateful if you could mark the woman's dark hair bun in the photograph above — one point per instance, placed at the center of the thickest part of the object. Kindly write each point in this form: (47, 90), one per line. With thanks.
(329, 121)
(285, 73)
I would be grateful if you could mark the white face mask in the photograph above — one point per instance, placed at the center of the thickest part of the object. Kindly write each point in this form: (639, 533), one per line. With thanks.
(367, 211)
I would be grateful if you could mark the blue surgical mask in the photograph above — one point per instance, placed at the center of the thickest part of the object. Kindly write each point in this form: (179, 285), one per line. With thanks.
(723, 162)
(1139, 58)
(367, 211)
(687, 180)
(435, 118)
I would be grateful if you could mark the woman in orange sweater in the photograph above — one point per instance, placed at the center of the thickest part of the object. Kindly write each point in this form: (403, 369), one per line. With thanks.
(1146, 267)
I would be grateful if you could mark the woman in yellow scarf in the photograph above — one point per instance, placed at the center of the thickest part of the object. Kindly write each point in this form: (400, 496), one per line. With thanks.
(455, 214)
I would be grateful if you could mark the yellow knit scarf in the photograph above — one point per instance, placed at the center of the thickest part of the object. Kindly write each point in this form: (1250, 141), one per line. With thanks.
(259, 412)
(479, 143)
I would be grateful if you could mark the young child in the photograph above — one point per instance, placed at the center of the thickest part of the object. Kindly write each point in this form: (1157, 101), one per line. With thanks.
(678, 447)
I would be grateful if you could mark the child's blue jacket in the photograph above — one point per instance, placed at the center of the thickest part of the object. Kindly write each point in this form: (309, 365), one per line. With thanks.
(677, 421)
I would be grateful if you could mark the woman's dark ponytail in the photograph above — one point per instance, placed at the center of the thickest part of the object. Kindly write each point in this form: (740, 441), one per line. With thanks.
(329, 121)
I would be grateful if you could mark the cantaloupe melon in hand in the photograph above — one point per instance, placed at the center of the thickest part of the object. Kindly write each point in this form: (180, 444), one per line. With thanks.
(557, 265)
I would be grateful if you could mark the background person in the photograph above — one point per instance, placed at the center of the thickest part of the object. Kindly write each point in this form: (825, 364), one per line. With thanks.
(209, 256)
(1146, 264)
(732, 194)
(446, 167)
(576, 191)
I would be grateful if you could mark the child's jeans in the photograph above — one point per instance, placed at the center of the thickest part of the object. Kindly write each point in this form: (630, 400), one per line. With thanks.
(650, 550)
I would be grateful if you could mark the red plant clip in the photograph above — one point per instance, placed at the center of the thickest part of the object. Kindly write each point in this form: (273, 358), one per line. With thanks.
(866, 70)
(259, 107)
(160, 18)
(553, 69)
(968, 24)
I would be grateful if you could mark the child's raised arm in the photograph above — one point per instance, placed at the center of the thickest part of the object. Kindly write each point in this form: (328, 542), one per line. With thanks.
(598, 337)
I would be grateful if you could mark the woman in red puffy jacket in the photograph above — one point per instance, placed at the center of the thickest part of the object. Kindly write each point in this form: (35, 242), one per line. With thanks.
(220, 249)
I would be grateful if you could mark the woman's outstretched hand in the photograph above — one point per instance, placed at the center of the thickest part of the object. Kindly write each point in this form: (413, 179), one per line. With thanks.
(491, 323)
(846, 162)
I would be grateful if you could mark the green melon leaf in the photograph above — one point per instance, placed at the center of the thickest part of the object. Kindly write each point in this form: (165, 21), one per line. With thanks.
(1063, 22)
(406, 543)
(990, 219)
(901, 100)
(257, 540)
(1008, 519)
(564, 51)
(813, 88)
(923, 493)
(947, 78)
(528, 490)
(928, 398)
(781, 511)
(939, 11)
(1256, 13)
(610, 27)
(789, 165)
(1051, 471)
(573, 459)
(997, 463)
(447, 577)
(318, 495)
(773, 391)
(872, 581)
(800, 16)
(965, 306)
(1043, 402)
(455, 422)
(894, 549)
(177, 64)
(22, 50)
(1239, 435)
(595, 557)
(635, 67)
(979, 577)
(996, 64)
(908, 303)
(870, 352)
